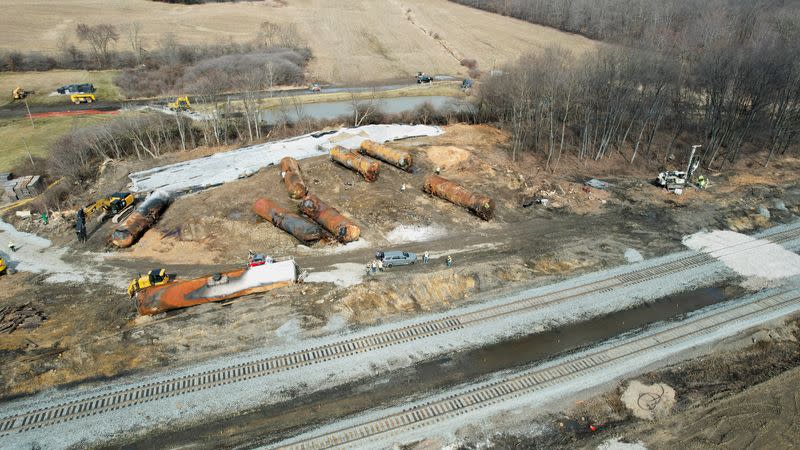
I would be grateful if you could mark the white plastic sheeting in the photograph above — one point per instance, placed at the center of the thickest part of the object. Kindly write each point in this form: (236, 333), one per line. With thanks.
(220, 168)
(266, 274)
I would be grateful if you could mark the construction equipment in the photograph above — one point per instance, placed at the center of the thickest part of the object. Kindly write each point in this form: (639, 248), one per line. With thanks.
(155, 277)
(115, 203)
(675, 180)
(112, 204)
(82, 98)
(20, 94)
(3, 266)
(180, 104)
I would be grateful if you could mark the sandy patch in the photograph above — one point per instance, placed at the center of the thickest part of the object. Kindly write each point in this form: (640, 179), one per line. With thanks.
(168, 250)
(648, 401)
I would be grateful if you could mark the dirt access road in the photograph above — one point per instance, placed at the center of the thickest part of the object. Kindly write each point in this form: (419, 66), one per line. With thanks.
(382, 40)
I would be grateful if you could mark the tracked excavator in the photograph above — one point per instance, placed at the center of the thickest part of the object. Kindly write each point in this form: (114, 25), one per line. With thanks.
(116, 203)
(155, 277)
(180, 104)
(20, 94)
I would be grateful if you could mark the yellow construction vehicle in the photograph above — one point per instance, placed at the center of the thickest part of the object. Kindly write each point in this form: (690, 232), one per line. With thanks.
(180, 104)
(3, 266)
(82, 98)
(112, 204)
(20, 94)
(155, 277)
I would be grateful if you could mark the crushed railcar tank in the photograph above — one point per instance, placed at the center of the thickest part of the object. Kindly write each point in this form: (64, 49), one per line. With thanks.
(398, 158)
(302, 229)
(342, 228)
(217, 287)
(145, 215)
(481, 205)
(290, 172)
(368, 168)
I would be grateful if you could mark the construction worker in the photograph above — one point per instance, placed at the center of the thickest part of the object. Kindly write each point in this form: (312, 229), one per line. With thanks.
(701, 182)
(80, 225)
(374, 266)
(44, 218)
(449, 261)
(11, 246)
(425, 258)
(380, 265)
(437, 170)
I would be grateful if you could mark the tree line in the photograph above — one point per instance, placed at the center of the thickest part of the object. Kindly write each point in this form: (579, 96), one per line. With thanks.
(726, 76)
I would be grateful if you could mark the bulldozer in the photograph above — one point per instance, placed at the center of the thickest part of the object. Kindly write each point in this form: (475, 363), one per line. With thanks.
(82, 98)
(180, 104)
(155, 277)
(115, 203)
(20, 94)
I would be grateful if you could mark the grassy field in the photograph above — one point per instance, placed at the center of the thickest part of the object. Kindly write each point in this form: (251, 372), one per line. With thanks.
(45, 83)
(17, 137)
(353, 41)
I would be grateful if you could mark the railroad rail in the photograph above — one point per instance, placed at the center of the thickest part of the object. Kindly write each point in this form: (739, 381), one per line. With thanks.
(87, 406)
(533, 380)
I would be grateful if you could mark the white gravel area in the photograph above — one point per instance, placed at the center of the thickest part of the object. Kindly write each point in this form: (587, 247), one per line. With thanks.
(415, 233)
(762, 259)
(228, 399)
(632, 255)
(223, 167)
(343, 275)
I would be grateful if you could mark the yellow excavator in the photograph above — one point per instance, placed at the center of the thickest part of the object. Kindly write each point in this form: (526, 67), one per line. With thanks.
(20, 94)
(3, 266)
(180, 104)
(155, 277)
(113, 204)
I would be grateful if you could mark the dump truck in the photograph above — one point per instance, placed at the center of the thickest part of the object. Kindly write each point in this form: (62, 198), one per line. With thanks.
(176, 293)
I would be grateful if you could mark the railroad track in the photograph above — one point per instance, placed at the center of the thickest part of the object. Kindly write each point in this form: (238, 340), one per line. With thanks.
(537, 379)
(76, 409)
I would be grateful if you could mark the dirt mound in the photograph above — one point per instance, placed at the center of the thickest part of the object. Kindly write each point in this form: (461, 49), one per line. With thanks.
(447, 156)
(373, 300)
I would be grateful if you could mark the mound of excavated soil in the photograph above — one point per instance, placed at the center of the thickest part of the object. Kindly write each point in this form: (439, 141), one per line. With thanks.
(447, 157)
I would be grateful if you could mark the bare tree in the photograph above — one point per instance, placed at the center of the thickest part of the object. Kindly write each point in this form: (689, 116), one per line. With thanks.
(133, 33)
(99, 37)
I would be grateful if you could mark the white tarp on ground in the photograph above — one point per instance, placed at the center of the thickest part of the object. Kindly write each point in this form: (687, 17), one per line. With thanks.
(228, 166)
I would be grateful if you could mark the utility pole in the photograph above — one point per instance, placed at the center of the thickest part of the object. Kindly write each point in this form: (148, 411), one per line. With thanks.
(29, 112)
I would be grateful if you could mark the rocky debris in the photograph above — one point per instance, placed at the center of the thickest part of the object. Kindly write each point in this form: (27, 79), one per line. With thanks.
(20, 316)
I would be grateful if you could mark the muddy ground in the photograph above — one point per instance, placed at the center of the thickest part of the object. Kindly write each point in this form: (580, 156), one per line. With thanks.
(743, 396)
(92, 330)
